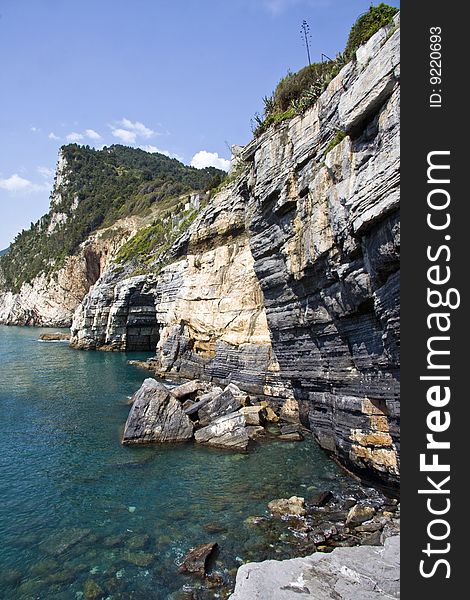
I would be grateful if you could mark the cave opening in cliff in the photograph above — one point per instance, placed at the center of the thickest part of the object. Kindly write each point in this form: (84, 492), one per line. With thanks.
(142, 338)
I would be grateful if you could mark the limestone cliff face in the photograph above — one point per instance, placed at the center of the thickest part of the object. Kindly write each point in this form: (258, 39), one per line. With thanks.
(324, 233)
(205, 310)
(288, 282)
(50, 299)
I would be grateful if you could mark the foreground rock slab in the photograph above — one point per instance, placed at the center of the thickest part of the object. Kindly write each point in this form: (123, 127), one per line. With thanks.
(217, 406)
(156, 416)
(186, 390)
(359, 573)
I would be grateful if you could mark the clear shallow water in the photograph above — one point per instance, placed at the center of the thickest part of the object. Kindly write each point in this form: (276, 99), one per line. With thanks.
(65, 480)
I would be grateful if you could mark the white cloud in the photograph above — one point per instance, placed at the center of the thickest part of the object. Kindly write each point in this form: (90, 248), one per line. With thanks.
(34, 129)
(74, 137)
(45, 172)
(53, 136)
(129, 137)
(92, 134)
(139, 128)
(15, 183)
(129, 131)
(203, 158)
(154, 149)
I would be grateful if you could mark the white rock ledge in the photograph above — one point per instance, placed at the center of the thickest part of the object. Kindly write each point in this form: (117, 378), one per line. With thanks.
(359, 573)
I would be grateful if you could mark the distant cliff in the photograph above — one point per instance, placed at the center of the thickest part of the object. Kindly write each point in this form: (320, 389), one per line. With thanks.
(99, 200)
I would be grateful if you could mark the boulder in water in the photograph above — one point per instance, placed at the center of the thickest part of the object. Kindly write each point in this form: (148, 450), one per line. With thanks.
(57, 336)
(196, 561)
(288, 506)
(228, 431)
(156, 416)
(221, 404)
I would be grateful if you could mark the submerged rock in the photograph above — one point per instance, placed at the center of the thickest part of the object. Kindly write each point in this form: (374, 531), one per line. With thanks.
(44, 567)
(62, 576)
(139, 559)
(91, 590)
(113, 540)
(138, 541)
(228, 431)
(214, 528)
(156, 416)
(61, 541)
(288, 506)
(10, 576)
(196, 560)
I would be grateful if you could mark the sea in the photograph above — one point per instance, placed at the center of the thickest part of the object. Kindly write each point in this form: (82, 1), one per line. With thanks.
(82, 516)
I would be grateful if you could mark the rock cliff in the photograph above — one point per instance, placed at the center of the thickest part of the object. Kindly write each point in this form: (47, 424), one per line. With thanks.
(205, 309)
(324, 235)
(287, 283)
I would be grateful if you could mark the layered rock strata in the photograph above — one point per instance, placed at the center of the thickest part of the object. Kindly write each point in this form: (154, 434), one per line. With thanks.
(205, 309)
(287, 284)
(117, 315)
(324, 234)
(228, 431)
(156, 416)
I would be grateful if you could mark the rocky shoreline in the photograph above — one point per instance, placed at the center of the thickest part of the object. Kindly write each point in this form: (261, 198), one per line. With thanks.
(233, 420)
(362, 525)
(213, 416)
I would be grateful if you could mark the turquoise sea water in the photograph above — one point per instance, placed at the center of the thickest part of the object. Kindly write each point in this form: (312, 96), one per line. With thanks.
(77, 506)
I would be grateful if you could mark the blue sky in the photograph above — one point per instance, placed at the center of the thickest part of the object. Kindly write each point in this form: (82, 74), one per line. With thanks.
(182, 76)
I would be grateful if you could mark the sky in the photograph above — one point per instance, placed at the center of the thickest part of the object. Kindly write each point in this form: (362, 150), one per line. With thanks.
(182, 77)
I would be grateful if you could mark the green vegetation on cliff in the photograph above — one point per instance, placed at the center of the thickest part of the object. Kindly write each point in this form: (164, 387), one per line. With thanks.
(368, 24)
(298, 91)
(100, 187)
(147, 249)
